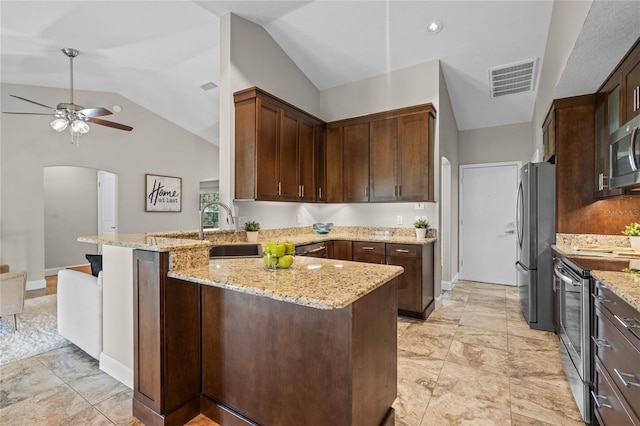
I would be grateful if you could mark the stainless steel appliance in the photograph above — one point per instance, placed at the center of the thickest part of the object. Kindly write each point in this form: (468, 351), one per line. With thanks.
(625, 155)
(573, 285)
(318, 249)
(574, 329)
(536, 226)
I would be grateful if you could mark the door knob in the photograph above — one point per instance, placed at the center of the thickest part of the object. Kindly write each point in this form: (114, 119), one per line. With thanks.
(510, 231)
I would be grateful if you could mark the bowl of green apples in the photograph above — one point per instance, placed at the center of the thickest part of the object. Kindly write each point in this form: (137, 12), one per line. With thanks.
(279, 255)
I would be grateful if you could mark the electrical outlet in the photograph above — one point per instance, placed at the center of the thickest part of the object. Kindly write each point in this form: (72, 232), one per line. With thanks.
(298, 219)
(419, 206)
(416, 218)
(399, 219)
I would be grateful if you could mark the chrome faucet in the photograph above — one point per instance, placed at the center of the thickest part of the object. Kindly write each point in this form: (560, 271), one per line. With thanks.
(219, 203)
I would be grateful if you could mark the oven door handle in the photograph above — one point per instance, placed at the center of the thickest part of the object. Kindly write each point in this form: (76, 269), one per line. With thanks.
(564, 278)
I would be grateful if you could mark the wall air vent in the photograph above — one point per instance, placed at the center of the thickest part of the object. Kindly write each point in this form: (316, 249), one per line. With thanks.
(513, 78)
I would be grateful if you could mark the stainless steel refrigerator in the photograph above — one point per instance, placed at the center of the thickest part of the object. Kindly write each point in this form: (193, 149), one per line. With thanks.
(536, 229)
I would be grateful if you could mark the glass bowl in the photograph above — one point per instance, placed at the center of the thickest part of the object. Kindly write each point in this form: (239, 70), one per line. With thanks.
(323, 228)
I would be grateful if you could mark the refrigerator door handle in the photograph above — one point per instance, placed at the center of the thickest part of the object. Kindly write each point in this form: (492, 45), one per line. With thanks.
(522, 269)
(520, 214)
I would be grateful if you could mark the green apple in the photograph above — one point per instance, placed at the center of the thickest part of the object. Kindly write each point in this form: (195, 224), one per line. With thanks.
(270, 261)
(269, 246)
(279, 249)
(289, 247)
(285, 261)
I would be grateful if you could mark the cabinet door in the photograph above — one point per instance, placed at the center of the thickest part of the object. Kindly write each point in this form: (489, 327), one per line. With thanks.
(414, 158)
(409, 283)
(267, 155)
(631, 78)
(333, 166)
(287, 167)
(356, 162)
(602, 149)
(306, 161)
(549, 136)
(342, 250)
(383, 160)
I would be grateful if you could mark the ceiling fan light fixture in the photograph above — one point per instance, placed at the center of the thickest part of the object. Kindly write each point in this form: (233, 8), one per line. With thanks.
(59, 124)
(79, 126)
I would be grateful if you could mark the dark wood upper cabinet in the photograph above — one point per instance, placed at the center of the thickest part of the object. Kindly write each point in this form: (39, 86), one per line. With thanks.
(275, 149)
(285, 154)
(383, 160)
(329, 165)
(388, 156)
(355, 157)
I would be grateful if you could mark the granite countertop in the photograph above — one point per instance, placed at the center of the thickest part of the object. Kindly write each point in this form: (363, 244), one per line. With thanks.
(313, 282)
(624, 284)
(180, 240)
(148, 242)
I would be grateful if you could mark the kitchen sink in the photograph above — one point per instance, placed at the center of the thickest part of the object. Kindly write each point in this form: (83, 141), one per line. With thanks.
(235, 250)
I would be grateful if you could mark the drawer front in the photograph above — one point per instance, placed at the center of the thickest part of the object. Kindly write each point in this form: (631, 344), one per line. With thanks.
(607, 406)
(368, 248)
(618, 357)
(404, 250)
(625, 317)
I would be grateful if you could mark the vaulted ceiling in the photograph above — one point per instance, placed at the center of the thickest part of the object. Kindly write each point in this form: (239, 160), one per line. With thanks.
(159, 53)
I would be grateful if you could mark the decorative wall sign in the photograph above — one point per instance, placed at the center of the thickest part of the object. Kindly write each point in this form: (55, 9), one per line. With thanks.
(163, 193)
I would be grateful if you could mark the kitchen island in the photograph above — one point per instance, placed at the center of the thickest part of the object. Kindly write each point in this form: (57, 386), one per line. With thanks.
(311, 345)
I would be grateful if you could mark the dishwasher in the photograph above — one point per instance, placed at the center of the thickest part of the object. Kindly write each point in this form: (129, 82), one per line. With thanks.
(318, 249)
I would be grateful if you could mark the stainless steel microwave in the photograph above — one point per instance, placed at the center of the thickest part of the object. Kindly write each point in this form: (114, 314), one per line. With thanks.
(625, 155)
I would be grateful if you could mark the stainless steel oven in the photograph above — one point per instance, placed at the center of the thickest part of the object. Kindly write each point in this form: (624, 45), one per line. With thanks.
(572, 285)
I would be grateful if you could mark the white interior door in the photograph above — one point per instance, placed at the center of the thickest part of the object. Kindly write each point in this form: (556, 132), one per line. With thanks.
(107, 203)
(487, 222)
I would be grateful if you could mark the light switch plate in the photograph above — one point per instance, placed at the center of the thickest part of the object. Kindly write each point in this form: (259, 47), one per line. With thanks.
(242, 220)
(419, 206)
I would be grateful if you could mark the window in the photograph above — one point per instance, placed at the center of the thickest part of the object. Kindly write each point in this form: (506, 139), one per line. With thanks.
(211, 215)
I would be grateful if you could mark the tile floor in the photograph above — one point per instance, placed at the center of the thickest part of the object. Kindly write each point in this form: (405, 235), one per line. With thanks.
(474, 361)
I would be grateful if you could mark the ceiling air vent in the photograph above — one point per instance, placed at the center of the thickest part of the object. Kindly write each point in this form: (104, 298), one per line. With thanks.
(208, 86)
(513, 78)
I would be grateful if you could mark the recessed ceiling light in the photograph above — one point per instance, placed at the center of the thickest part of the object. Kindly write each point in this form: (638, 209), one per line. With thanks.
(117, 108)
(434, 27)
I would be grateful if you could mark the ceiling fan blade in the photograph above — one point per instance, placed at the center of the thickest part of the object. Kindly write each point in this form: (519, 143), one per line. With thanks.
(94, 112)
(110, 124)
(33, 102)
(28, 113)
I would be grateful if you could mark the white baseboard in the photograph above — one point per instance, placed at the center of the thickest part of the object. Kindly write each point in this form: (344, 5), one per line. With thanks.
(449, 285)
(54, 271)
(36, 284)
(116, 369)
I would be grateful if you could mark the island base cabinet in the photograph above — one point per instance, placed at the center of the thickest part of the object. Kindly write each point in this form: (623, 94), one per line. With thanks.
(274, 363)
(166, 383)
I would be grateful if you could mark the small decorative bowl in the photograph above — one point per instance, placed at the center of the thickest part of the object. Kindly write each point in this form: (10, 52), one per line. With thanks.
(323, 228)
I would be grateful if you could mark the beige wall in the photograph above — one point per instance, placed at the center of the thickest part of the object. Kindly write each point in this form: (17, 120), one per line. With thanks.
(28, 144)
(448, 154)
(70, 209)
(496, 144)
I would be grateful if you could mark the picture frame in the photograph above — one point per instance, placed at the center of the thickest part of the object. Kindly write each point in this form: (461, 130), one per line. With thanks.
(162, 193)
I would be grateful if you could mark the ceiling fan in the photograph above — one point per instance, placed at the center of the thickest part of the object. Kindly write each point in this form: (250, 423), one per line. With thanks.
(71, 115)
